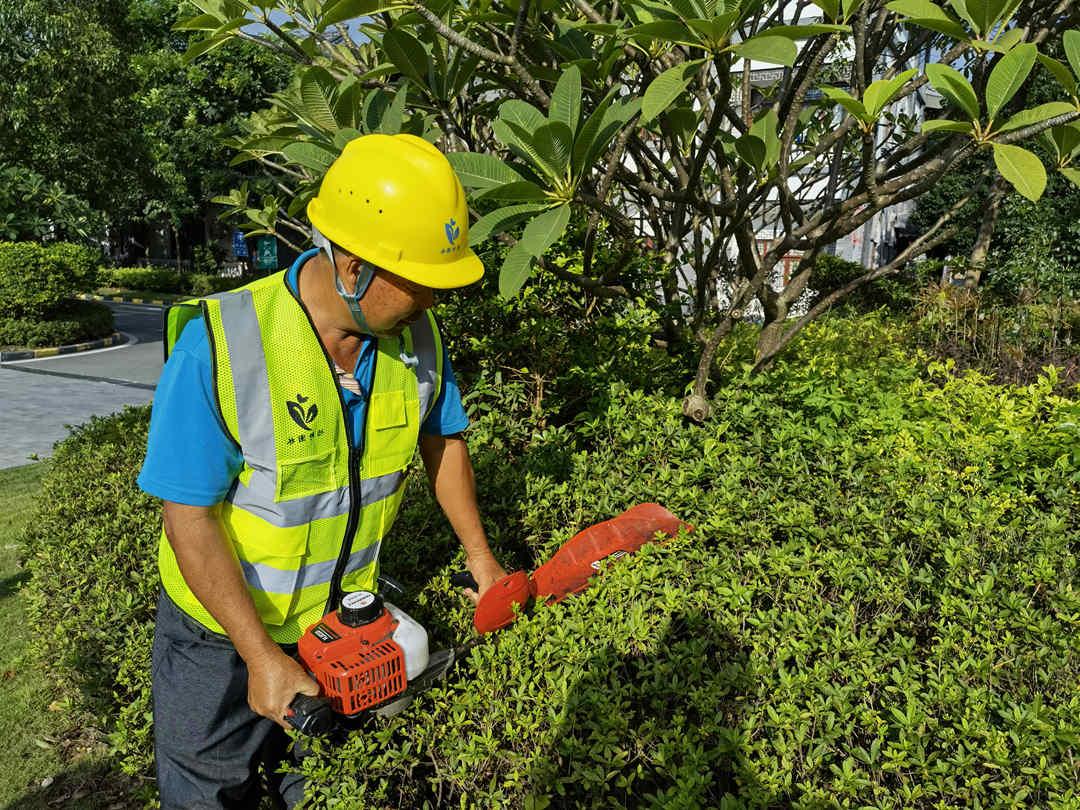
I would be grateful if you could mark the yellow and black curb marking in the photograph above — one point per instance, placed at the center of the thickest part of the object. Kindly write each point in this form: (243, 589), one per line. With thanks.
(32, 354)
(158, 302)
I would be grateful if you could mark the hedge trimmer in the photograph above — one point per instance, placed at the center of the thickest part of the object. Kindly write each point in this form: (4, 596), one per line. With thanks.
(370, 657)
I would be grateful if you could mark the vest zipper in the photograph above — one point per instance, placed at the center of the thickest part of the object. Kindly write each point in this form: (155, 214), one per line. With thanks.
(355, 504)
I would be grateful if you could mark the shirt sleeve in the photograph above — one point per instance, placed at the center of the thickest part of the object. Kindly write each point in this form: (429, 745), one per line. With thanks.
(190, 459)
(448, 415)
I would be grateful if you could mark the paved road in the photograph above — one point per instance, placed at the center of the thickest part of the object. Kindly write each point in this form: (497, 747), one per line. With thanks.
(41, 399)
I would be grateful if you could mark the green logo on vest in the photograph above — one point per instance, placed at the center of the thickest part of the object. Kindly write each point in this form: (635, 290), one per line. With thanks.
(303, 415)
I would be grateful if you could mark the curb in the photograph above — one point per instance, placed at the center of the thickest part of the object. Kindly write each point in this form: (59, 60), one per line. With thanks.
(115, 339)
(157, 302)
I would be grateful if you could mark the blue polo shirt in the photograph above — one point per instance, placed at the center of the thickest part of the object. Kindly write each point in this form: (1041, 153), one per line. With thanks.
(189, 457)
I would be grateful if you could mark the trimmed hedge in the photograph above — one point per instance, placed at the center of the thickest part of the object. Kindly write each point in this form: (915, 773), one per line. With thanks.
(72, 322)
(156, 279)
(36, 279)
(878, 606)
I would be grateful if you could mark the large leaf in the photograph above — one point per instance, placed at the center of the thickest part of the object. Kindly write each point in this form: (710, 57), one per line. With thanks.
(1022, 169)
(500, 219)
(204, 47)
(545, 230)
(830, 7)
(1036, 115)
(310, 156)
(515, 270)
(1072, 175)
(987, 13)
(1008, 76)
(945, 125)
(664, 30)
(566, 99)
(521, 191)
(589, 130)
(1071, 41)
(776, 50)
(881, 93)
(317, 87)
(952, 84)
(666, 88)
(764, 129)
(407, 54)
(1060, 72)
(341, 10)
(483, 171)
(614, 119)
(395, 113)
(554, 142)
(1065, 141)
(931, 16)
(752, 150)
(522, 114)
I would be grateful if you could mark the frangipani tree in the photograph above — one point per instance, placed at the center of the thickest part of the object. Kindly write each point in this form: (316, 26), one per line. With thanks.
(647, 122)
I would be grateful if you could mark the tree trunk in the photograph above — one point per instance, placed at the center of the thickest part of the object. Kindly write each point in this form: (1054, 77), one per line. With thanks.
(979, 253)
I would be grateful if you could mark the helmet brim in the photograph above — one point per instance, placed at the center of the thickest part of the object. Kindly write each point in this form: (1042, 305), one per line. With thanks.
(459, 273)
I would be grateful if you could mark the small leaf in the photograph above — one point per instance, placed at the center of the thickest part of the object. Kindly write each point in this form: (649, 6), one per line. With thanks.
(848, 102)
(203, 47)
(881, 93)
(775, 50)
(1008, 76)
(1072, 175)
(1022, 169)
(515, 271)
(395, 113)
(752, 151)
(764, 129)
(952, 84)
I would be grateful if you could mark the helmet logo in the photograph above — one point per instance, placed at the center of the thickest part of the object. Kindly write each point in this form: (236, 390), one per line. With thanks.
(453, 231)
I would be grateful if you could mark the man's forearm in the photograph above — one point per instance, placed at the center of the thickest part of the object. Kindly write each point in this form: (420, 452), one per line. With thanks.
(212, 572)
(450, 472)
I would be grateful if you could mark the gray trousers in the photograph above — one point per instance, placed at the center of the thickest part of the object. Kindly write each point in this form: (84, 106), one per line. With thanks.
(208, 743)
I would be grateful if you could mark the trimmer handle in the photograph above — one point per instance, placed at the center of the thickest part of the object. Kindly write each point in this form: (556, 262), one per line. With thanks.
(310, 715)
(464, 579)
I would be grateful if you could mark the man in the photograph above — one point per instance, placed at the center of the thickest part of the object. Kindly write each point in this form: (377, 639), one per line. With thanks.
(286, 415)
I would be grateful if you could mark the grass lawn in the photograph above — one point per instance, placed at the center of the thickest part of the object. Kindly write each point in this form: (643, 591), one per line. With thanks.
(48, 760)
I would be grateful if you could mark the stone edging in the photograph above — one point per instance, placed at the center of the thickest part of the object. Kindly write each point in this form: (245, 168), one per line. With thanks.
(158, 302)
(30, 354)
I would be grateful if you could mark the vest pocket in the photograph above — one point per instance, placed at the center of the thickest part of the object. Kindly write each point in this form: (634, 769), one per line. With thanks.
(387, 410)
(311, 475)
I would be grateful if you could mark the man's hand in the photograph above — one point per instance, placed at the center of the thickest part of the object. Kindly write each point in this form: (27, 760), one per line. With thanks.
(486, 571)
(273, 681)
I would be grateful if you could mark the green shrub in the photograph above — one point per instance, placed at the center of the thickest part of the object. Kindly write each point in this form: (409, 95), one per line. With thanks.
(897, 292)
(208, 284)
(144, 279)
(35, 279)
(877, 606)
(71, 322)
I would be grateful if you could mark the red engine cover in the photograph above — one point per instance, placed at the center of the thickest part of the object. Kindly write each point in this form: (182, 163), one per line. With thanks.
(356, 667)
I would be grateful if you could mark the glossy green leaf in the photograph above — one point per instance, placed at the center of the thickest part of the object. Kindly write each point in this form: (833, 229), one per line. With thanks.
(931, 16)
(395, 114)
(1064, 141)
(881, 93)
(952, 84)
(774, 50)
(522, 114)
(554, 142)
(666, 88)
(1036, 115)
(316, 90)
(407, 54)
(310, 156)
(848, 102)
(1071, 40)
(1008, 76)
(1072, 175)
(752, 151)
(481, 171)
(1023, 169)
(204, 47)
(521, 191)
(764, 129)
(665, 31)
(945, 125)
(342, 10)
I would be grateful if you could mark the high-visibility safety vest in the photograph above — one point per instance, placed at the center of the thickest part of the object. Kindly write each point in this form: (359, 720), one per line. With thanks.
(306, 503)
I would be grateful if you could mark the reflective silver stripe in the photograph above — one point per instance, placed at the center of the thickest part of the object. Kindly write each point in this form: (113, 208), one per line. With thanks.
(427, 374)
(266, 578)
(300, 511)
(251, 384)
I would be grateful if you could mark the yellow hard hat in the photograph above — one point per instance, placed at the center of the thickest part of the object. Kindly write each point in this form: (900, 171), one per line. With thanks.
(395, 201)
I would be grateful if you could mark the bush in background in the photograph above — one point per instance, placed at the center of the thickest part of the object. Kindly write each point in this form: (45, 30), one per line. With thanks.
(71, 322)
(156, 279)
(36, 279)
(877, 606)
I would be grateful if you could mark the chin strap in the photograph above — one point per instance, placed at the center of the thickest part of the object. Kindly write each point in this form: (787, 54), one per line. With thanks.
(363, 281)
